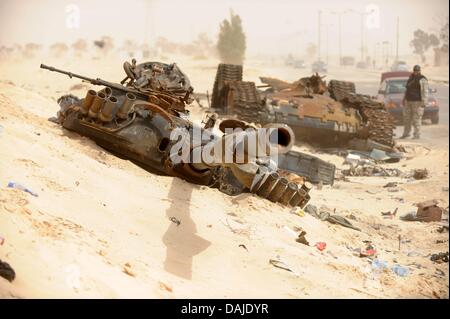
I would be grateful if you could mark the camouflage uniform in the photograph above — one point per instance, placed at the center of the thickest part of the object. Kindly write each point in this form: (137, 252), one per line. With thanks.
(413, 110)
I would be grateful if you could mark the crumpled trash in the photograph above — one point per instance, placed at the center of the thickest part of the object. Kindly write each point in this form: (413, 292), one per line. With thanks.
(411, 216)
(420, 173)
(441, 257)
(282, 265)
(6, 271)
(297, 211)
(302, 239)
(379, 265)
(390, 214)
(324, 214)
(321, 245)
(400, 270)
(355, 159)
(21, 187)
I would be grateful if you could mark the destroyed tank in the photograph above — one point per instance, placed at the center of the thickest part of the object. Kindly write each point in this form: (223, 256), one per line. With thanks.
(330, 115)
(137, 118)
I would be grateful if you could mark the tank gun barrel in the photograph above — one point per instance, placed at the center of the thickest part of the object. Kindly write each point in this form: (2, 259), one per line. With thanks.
(96, 81)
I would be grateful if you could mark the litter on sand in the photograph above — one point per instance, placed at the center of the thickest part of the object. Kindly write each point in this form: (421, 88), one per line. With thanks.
(6, 271)
(21, 187)
(282, 265)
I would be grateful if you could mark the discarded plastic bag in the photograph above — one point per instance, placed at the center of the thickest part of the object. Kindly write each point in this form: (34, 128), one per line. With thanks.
(400, 270)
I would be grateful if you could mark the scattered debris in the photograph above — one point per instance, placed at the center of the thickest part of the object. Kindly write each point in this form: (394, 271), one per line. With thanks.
(420, 173)
(324, 214)
(297, 211)
(243, 246)
(290, 231)
(280, 264)
(321, 246)
(411, 216)
(428, 211)
(355, 159)
(379, 265)
(127, 270)
(302, 239)
(441, 241)
(164, 286)
(439, 258)
(391, 184)
(6, 271)
(390, 214)
(369, 251)
(21, 187)
(442, 229)
(175, 221)
(372, 170)
(400, 270)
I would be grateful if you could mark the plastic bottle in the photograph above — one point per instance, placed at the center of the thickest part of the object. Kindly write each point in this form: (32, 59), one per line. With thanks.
(21, 187)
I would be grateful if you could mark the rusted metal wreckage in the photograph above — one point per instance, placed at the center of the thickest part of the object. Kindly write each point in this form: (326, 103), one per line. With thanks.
(134, 119)
(330, 115)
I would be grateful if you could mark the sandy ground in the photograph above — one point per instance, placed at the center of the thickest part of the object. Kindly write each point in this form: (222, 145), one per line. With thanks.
(100, 226)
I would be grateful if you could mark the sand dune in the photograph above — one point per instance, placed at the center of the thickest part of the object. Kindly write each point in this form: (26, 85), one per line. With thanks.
(100, 226)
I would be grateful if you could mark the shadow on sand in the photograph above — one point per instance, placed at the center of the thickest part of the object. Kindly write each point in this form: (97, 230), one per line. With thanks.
(181, 241)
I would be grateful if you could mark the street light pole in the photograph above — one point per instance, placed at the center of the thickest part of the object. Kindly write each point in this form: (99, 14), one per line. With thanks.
(362, 37)
(319, 31)
(398, 36)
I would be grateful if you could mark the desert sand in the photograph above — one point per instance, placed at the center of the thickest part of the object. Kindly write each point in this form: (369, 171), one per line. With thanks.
(100, 226)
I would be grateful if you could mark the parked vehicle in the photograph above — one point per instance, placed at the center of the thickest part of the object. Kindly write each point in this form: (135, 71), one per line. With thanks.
(347, 60)
(319, 67)
(399, 66)
(299, 64)
(392, 90)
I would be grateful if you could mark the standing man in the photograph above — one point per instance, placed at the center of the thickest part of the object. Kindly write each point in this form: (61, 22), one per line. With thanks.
(416, 97)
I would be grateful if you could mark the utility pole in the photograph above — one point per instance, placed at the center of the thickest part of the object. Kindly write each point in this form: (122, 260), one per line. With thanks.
(362, 37)
(398, 37)
(327, 26)
(340, 37)
(319, 32)
(339, 14)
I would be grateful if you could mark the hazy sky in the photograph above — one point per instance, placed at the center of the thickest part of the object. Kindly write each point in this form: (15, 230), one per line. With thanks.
(272, 27)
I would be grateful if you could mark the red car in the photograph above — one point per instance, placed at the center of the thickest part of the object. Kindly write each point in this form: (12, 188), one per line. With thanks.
(392, 90)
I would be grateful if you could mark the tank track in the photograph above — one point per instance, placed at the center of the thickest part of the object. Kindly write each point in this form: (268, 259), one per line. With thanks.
(225, 72)
(379, 124)
(246, 102)
(339, 89)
